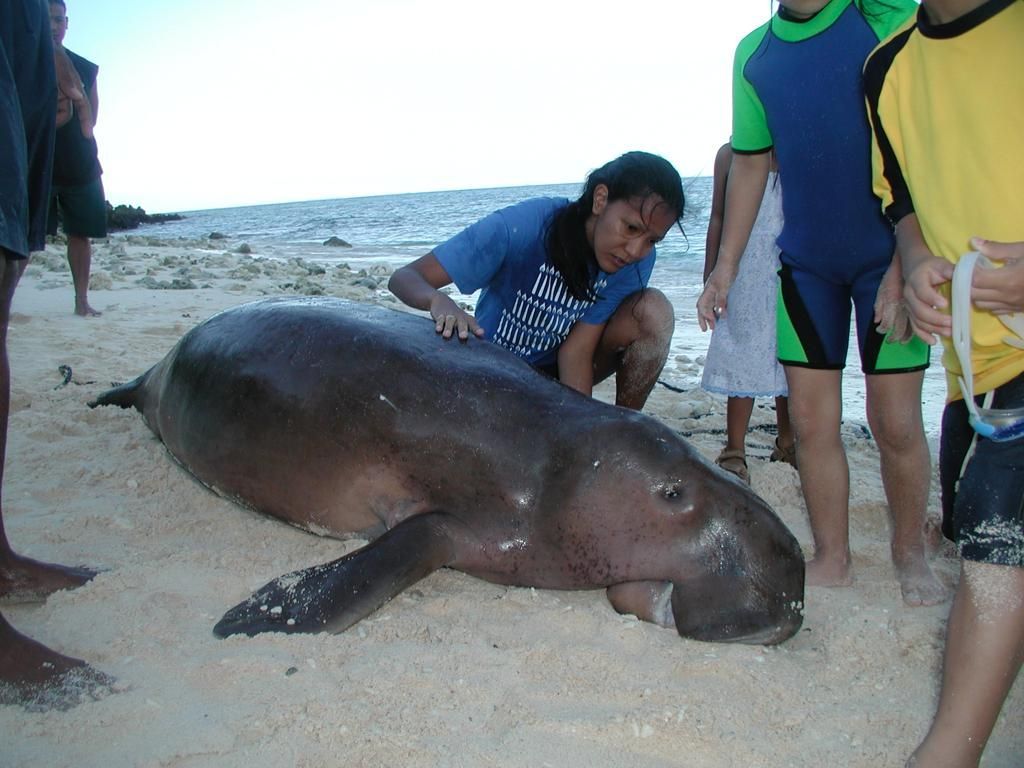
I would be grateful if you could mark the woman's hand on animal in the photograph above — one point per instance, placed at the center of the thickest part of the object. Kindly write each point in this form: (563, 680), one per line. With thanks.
(450, 319)
(419, 285)
(1000, 291)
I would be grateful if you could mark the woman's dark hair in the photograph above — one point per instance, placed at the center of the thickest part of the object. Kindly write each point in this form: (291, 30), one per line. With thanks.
(633, 175)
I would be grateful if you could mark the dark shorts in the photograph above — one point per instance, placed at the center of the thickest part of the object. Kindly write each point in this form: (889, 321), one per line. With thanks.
(983, 511)
(813, 325)
(83, 210)
(28, 104)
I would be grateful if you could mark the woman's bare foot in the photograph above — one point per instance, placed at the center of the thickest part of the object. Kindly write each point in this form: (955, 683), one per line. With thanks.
(40, 679)
(24, 580)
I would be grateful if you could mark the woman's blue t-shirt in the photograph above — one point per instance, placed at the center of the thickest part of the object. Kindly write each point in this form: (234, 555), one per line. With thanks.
(525, 305)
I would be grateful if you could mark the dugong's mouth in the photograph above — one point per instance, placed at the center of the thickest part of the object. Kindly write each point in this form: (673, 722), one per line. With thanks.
(769, 634)
(731, 615)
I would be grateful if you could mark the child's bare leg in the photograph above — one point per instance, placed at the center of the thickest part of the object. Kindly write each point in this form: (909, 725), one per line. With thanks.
(737, 422)
(786, 437)
(984, 652)
(815, 408)
(894, 414)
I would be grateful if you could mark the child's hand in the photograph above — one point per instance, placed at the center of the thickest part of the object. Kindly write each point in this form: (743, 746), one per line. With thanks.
(714, 299)
(1000, 291)
(924, 301)
(891, 314)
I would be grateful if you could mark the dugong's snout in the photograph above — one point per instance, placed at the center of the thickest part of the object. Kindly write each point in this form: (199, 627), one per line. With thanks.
(749, 586)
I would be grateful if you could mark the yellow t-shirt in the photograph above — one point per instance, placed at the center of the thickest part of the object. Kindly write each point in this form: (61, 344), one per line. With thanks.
(946, 103)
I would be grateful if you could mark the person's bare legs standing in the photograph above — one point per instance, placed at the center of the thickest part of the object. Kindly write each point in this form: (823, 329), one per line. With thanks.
(30, 673)
(80, 261)
(815, 407)
(815, 410)
(905, 464)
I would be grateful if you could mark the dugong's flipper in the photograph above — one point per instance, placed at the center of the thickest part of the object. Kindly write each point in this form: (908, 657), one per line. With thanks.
(333, 596)
(128, 395)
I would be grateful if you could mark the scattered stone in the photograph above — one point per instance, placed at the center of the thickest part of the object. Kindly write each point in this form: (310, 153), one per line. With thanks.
(243, 248)
(177, 284)
(303, 286)
(308, 267)
(217, 236)
(366, 282)
(337, 242)
(100, 281)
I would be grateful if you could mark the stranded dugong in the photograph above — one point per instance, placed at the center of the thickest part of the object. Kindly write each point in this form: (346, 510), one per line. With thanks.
(359, 421)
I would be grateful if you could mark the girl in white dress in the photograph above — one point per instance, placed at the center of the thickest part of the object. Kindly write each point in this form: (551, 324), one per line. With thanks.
(741, 361)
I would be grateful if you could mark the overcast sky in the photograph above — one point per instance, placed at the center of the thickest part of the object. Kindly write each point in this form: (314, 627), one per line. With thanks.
(216, 103)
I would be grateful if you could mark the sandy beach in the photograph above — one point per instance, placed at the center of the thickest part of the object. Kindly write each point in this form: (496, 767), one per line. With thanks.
(454, 672)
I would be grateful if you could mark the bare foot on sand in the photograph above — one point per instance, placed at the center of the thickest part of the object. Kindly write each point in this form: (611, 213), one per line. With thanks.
(82, 309)
(24, 580)
(39, 679)
(919, 584)
(828, 573)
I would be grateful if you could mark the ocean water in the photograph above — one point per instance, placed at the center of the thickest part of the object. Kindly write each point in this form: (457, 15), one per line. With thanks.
(395, 229)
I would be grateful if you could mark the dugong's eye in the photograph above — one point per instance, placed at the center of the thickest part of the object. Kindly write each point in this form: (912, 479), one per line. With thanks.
(671, 492)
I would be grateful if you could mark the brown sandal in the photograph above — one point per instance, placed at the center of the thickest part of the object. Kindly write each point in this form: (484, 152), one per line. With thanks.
(734, 461)
(787, 455)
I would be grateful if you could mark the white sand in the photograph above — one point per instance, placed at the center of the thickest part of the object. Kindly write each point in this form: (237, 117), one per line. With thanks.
(456, 671)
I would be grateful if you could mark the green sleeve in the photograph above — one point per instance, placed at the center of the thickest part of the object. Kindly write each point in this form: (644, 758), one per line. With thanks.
(749, 125)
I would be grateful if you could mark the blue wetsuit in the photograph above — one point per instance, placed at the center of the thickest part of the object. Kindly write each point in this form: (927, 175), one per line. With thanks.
(798, 89)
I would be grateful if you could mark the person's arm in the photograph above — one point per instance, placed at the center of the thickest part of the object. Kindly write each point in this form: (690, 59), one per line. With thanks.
(748, 175)
(717, 216)
(576, 357)
(923, 272)
(1000, 291)
(71, 96)
(94, 102)
(418, 285)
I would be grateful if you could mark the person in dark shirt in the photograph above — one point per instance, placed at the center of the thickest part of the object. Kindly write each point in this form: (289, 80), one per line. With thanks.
(77, 186)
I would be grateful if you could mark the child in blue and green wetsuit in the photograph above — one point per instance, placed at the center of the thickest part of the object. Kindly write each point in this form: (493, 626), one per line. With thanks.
(798, 90)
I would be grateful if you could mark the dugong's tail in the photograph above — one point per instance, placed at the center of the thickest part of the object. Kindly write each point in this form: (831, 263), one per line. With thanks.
(128, 395)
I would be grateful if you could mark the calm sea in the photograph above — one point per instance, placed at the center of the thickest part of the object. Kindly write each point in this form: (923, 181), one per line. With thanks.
(394, 229)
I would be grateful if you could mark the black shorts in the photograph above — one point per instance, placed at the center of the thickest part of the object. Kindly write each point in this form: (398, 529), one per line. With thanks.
(983, 511)
(83, 210)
